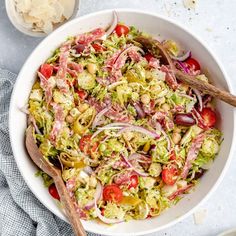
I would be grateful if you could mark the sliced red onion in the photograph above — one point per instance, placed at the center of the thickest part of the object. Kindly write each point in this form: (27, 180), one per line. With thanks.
(140, 158)
(185, 68)
(122, 124)
(115, 125)
(113, 85)
(88, 170)
(113, 24)
(183, 57)
(97, 196)
(139, 110)
(33, 121)
(140, 129)
(180, 192)
(134, 169)
(102, 129)
(99, 116)
(199, 97)
(125, 50)
(104, 219)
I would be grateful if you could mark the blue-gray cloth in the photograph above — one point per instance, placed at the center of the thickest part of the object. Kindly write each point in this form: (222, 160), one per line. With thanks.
(21, 214)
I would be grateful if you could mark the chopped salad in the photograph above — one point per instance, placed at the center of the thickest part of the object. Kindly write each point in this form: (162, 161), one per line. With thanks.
(130, 138)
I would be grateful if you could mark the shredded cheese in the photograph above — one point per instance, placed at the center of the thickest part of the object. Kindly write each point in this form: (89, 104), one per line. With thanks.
(200, 216)
(190, 4)
(42, 15)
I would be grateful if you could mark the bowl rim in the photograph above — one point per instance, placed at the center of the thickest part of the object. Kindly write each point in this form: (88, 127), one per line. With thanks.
(39, 34)
(199, 40)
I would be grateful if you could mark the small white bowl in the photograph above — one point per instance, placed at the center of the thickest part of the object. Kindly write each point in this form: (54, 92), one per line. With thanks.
(158, 26)
(19, 24)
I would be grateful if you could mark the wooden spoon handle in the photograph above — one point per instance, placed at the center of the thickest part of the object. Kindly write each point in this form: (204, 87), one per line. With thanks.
(206, 88)
(69, 207)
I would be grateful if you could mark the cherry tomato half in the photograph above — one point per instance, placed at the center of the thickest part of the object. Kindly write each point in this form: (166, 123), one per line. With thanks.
(169, 175)
(112, 193)
(46, 70)
(121, 30)
(98, 47)
(133, 181)
(82, 94)
(208, 116)
(53, 192)
(148, 56)
(192, 64)
(84, 142)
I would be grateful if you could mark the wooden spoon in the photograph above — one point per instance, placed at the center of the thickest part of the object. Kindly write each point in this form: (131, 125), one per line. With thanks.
(156, 48)
(55, 173)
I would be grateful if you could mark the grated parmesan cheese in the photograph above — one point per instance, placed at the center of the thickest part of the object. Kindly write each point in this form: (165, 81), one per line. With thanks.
(42, 15)
(190, 4)
(200, 216)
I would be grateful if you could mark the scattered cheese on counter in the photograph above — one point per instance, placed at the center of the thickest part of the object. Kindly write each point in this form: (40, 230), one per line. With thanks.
(200, 216)
(190, 4)
(41, 15)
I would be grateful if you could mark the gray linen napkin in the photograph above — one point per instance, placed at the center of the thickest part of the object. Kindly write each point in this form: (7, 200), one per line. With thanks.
(21, 214)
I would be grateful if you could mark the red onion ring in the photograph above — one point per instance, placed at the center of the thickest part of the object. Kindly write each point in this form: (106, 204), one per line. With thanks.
(33, 121)
(99, 116)
(180, 191)
(113, 24)
(104, 219)
(97, 196)
(139, 110)
(199, 97)
(140, 158)
(119, 125)
(183, 67)
(134, 169)
(184, 57)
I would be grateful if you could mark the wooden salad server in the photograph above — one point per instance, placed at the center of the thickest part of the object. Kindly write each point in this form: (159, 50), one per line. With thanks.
(55, 173)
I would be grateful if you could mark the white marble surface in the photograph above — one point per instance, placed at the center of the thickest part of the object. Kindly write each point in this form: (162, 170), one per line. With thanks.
(215, 22)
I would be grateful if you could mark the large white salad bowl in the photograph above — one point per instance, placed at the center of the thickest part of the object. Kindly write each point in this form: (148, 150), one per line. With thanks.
(160, 27)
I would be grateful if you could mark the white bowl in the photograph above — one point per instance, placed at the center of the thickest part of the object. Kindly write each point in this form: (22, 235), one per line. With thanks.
(155, 25)
(19, 24)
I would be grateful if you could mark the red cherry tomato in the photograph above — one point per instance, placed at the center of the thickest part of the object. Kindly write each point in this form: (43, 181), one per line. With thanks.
(84, 143)
(82, 94)
(133, 181)
(121, 30)
(148, 56)
(53, 192)
(192, 64)
(169, 175)
(208, 116)
(112, 193)
(98, 47)
(46, 70)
